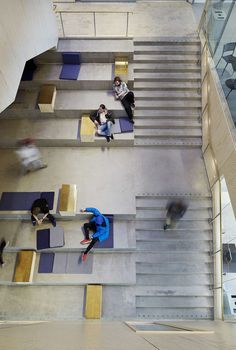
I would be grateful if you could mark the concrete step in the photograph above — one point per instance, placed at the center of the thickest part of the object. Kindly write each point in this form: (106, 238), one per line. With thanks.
(173, 268)
(153, 235)
(170, 245)
(200, 279)
(168, 95)
(163, 49)
(164, 57)
(167, 142)
(155, 41)
(197, 313)
(182, 224)
(204, 214)
(169, 77)
(171, 104)
(175, 302)
(146, 123)
(91, 50)
(92, 76)
(173, 257)
(152, 202)
(53, 132)
(166, 67)
(167, 114)
(164, 85)
(163, 133)
(175, 291)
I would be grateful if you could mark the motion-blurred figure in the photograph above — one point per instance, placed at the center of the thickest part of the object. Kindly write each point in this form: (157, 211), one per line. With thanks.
(3, 245)
(29, 156)
(175, 211)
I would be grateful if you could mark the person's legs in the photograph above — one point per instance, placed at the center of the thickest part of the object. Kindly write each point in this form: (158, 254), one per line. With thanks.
(91, 244)
(108, 129)
(102, 130)
(130, 97)
(33, 220)
(52, 219)
(89, 226)
(2, 246)
(127, 107)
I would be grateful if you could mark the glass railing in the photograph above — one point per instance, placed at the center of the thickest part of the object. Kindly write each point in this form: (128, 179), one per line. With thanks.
(218, 23)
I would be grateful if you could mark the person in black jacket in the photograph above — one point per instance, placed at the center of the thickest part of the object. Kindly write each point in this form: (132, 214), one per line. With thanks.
(3, 245)
(40, 206)
(103, 121)
(175, 211)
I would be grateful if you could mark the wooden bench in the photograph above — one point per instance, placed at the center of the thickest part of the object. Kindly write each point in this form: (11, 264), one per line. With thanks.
(46, 100)
(68, 200)
(25, 263)
(93, 306)
(87, 129)
(121, 68)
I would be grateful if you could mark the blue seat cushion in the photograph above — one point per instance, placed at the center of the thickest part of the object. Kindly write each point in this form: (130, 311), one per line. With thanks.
(43, 241)
(46, 262)
(70, 71)
(71, 58)
(125, 125)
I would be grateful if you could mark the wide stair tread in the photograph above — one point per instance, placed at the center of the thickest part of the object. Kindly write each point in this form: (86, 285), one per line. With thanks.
(168, 95)
(167, 85)
(166, 76)
(168, 132)
(166, 67)
(166, 58)
(167, 142)
(167, 49)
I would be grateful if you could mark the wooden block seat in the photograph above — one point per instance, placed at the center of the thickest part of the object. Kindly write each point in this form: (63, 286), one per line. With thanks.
(121, 68)
(47, 97)
(25, 263)
(68, 200)
(87, 129)
(93, 304)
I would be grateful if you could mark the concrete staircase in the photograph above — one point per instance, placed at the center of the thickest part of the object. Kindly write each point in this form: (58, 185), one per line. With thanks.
(174, 268)
(168, 101)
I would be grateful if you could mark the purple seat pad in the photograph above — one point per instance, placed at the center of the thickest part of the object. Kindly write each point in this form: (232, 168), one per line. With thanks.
(70, 71)
(109, 242)
(23, 200)
(46, 262)
(43, 239)
(18, 200)
(125, 125)
(49, 196)
(71, 57)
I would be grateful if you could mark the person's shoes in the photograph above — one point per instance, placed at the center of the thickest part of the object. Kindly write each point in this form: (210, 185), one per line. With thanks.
(34, 223)
(54, 224)
(165, 227)
(84, 257)
(132, 105)
(108, 138)
(2, 265)
(44, 165)
(112, 136)
(85, 241)
(132, 121)
(7, 244)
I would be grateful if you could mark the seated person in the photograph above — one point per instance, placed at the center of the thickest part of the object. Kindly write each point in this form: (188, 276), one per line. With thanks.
(125, 96)
(103, 121)
(99, 225)
(30, 156)
(40, 206)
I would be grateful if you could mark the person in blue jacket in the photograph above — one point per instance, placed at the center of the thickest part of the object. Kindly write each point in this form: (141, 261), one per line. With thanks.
(99, 225)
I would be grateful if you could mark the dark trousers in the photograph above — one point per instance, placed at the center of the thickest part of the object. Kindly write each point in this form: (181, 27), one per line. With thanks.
(50, 217)
(2, 246)
(90, 226)
(127, 101)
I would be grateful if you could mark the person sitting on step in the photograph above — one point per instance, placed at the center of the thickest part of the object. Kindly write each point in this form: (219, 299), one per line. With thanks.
(103, 121)
(126, 96)
(99, 225)
(40, 206)
(175, 211)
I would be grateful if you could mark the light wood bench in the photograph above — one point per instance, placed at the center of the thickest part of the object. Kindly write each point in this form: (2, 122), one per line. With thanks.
(93, 306)
(25, 263)
(121, 68)
(68, 200)
(87, 129)
(46, 100)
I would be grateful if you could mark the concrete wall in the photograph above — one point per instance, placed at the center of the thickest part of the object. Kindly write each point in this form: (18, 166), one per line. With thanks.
(27, 28)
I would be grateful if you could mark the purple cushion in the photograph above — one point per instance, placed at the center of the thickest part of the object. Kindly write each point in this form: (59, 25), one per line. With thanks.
(46, 262)
(70, 71)
(49, 196)
(125, 125)
(18, 200)
(71, 57)
(43, 239)
(109, 242)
